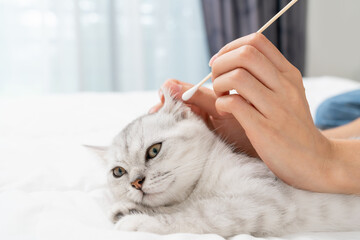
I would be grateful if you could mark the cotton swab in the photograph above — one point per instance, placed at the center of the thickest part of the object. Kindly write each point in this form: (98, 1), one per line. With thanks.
(189, 93)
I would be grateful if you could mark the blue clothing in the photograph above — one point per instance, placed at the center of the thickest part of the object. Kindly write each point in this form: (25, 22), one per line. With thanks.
(338, 110)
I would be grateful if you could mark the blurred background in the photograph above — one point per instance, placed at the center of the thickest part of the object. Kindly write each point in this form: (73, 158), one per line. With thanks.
(66, 46)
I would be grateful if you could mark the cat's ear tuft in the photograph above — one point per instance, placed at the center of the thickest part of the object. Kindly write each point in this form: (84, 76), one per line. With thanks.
(174, 106)
(98, 150)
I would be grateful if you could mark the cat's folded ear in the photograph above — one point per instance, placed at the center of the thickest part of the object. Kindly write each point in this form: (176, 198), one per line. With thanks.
(98, 150)
(174, 106)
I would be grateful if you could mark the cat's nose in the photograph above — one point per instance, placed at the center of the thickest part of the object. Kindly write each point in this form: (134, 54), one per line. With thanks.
(138, 183)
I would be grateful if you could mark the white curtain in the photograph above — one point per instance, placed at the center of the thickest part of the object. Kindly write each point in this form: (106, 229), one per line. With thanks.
(51, 46)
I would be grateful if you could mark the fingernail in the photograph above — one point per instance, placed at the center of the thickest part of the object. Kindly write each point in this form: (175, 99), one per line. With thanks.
(213, 59)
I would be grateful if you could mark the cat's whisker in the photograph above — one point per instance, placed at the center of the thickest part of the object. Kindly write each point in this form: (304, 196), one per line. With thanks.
(187, 167)
(160, 179)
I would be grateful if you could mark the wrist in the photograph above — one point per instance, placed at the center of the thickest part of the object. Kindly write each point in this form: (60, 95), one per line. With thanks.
(336, 170)
(332, 172)
(317, 171)
(325, 157)
(343, 171)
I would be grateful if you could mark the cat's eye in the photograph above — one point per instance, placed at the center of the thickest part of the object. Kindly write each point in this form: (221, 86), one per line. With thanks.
(153, 151)
(118, 172)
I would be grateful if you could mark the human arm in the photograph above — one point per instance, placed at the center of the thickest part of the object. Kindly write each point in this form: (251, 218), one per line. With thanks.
(272, 108)
(347, 151)
(346, 166)
(347, 131)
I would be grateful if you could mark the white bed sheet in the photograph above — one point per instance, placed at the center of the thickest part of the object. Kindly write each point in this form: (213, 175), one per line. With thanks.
(53, 188)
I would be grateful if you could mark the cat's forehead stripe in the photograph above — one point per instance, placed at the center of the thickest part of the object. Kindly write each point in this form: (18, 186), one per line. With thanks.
(130, 133)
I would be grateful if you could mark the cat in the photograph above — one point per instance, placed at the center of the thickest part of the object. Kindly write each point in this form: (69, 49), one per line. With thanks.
(169, 173)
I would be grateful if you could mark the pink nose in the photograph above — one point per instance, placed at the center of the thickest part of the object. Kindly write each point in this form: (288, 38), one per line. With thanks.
(138, 183)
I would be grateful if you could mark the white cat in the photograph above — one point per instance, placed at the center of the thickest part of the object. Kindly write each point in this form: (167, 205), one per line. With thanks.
(169, 173)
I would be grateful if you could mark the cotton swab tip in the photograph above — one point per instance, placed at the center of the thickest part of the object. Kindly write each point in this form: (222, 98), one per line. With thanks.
(189, 93)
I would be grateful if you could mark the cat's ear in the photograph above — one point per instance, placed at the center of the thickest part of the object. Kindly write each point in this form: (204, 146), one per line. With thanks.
(98, 150)
(175, 107)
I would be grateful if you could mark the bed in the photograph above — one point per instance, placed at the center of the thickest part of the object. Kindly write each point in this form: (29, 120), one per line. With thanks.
(51, 187)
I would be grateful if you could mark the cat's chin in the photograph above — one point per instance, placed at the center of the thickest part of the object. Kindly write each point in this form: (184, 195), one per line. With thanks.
(149, 198)
(152, 199)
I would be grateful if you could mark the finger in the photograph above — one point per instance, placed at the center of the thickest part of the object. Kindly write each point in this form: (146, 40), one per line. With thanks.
(161, 96)
(247, 115)
(156, 108)
(260, 42)
(204, 97)
(248, 87)
(252, 60)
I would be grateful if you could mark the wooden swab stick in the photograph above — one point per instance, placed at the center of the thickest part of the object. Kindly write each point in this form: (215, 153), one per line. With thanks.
(189, 93)
(274, 18)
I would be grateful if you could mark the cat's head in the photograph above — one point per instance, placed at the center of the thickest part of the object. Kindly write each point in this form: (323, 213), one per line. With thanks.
(158, 158)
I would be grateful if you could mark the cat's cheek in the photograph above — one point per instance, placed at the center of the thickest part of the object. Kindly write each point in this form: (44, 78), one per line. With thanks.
(141, 223)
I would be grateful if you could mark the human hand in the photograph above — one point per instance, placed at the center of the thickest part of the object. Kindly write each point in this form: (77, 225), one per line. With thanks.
(203, 104)
(272, 109)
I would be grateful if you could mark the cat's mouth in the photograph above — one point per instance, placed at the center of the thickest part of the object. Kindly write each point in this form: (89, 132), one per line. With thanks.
(149, 193)
(147, 198)
(153, 195)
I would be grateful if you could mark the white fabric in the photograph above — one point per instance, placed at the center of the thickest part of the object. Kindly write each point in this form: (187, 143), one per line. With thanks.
(53, 188)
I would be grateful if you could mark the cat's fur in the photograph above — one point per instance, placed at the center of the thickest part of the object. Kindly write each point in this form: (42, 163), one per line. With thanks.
(197, 184)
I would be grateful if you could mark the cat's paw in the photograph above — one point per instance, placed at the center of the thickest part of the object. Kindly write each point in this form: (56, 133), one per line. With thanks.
(141, 223)
(120, 209)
